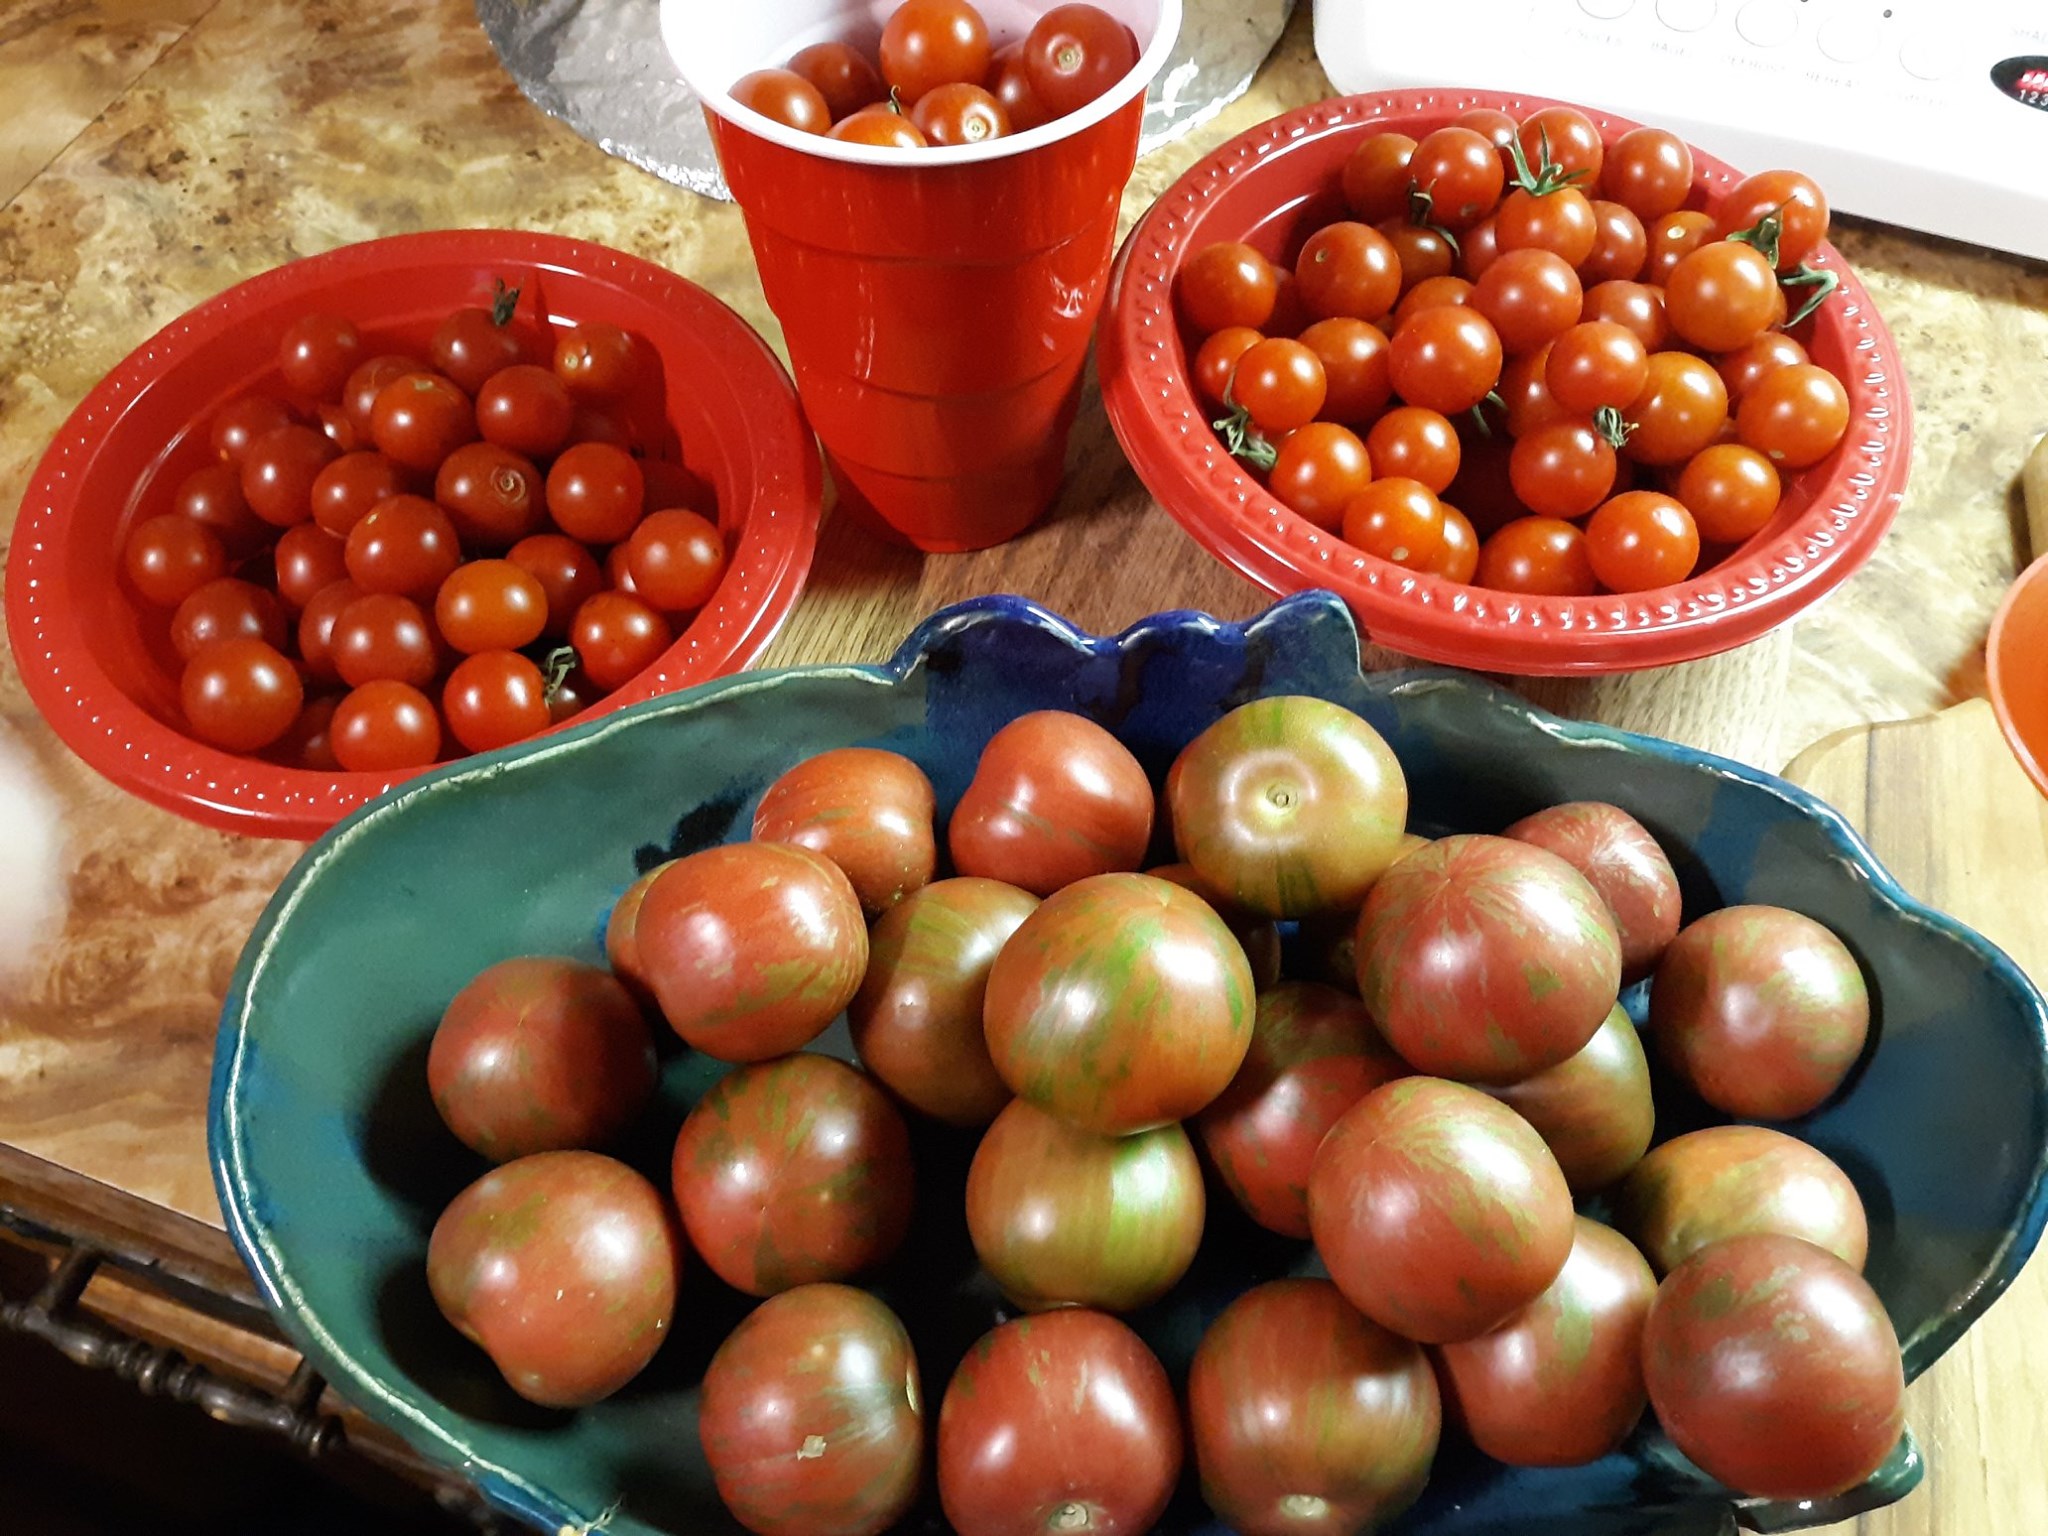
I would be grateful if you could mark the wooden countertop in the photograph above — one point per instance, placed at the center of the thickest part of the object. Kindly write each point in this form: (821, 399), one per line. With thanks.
(155, 152)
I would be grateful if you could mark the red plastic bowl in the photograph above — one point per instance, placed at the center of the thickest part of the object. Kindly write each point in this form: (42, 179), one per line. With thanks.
(97, 660)
(1275, 184)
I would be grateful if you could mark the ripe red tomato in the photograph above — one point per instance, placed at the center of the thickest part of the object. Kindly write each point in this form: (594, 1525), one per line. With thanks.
(1721, 296)
(842, 75)
(1288, 806)
(881, 127)
(621, 942)
(306, 745)
(959, 113)
(1670, 240)
(1307, 1419)
(1795, 415)
(1445, 359)
(1727, 1180)
(1772, 1365)
(1566, 138)
(1623, 862)
(1432, 293)
(1054, 797)
(928, 43)
(1348, 269)
(1560, 1383)
(868, 811)
(1731, 491)
(421, 418)
(1496, 127)
(405, 545)
(490, 605)
(350, 486)
(1636, 307)
(1317, 471)
(1074, 53)
(1314, 1054)
(317, 353)
(1122, 1003)
(1531, 296)
(1216, 360)
(240, 694)
(1542, 556)
(226, 609)
(811, 1416)
(1763, 1011)
(1795, 198)
(793, 1171)
(1281, 385)
(540, 1054)
(278, 471)
(1226, 284)
(1649, 172)
(168, 558)
(1460, 171)
(1479, 248)
(211, 496)
(1376, 176)
(1422, 251)
(1620, 245)
(1560, 222)
(567, 572)
(751, 948)
(526, 409)
(1593, 1109)
(1399, 520)
(916, 1021)
(677, 558)
(385, 726)
(1641, 540)
(596, 361)
(1596, 363)
(1486, 959)
(307, 559)
(493, 699)
(1437, 1211)
(1064, 1217)
(472, 343)
(316, 629)
(562, 1267)
(783, 96)
(1458, 560)
(595, 492)
(1009, 81)
(1063, 1421)
(1679, 411)
(1354, 359)
(382, 636)
(1564, 469)
(242, 420)
(1745, 365)
(1411, 443)
(617, 637)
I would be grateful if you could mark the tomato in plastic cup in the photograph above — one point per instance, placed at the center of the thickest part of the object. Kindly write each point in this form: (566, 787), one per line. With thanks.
(937, 303)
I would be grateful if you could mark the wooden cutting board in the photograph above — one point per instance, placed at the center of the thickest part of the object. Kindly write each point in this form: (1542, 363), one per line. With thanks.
(1945, 807)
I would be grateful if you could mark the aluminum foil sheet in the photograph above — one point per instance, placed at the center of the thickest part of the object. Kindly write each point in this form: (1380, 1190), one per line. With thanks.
(600, 66)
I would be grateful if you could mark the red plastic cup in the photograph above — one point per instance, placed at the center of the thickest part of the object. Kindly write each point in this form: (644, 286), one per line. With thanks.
(937, 303)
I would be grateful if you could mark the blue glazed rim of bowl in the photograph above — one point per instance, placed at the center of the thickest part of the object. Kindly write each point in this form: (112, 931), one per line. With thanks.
(1311, 618)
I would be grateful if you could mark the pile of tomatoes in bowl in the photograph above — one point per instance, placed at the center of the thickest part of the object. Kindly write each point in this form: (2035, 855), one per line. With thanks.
(1408, 1054)
(940, 82)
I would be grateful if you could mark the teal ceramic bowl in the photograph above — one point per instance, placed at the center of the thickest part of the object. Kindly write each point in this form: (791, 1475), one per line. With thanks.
(332, 1167)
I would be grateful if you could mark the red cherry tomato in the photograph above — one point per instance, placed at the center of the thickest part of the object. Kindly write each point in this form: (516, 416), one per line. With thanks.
(1679, 411)
(384, 727)
(842, 75)
(596, 493)
(242, 420)
(1721, 296)
(1460, 170)
(306, 744)
(365, 382)
(1565, 469)
(1376, 176)
(1531, 296)
(1731, 491)
(1010, 83)
(1319, 468)
(1216, 360)
(1224, 285)
(1648, 172)
(880, 128)
(240, 694)
(1445, 359)
(1397, 519)
(1479, 248)
(959, 113)
(1795, 198)
(596, 361)
(308, 558)
(1423, 251)
(317, 354)
(490, 605)
(493, 496)
(1348, 269)
(928, 43)
(1525, 392)
(1795, 415)
(381, 636)
(1596, 363)
(1640, 540)
(1744, 366)
(226, 609)
(168, 558)
(1620, 245)
(1074, 53)
(1496, 127)
(676, 559)
(1412, 443)
(351, 485)
(617, 636)
(211, 496)
(1670, 240)
(493, 699)
(405, 546)
(1459, 559)
(783, 96)
(338, 429)
(1560, 222)
(1354, 358)
(278, 472)
(1280, 384)
(1567, 139)
(420, 419)
(472, 343)
(316, 629)
(567, 572)
(1432, 293)
(1542, 556)
(526, 409)
(1635, 306)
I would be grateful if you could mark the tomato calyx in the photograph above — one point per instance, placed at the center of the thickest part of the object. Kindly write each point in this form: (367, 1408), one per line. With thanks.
(1819, 279)
(503, 302)
(1613, 429)
(1243, 440)
(895, 101)
(1478, 413)
(1764, 234)
(1547, 176)
(1422, 214)
(555, 668)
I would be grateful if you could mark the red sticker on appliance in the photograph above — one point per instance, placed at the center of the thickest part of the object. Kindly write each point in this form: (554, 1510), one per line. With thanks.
(2024, 79)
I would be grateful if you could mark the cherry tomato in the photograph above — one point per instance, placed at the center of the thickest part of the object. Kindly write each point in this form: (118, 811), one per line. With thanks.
(596, 361)
(526, 409)
(211, 496)
(1744, 366)
(308, 558)
(1413, 443)
(1376, 176)
(317, 353)
(1445, 359)
(420, 419)
(1640, 540)
(1648, 172)
(1496, 127)
(617, 636)
(1794, 415)
(240, 694)
(351, 485)
(1280, 383)
(493, 699)
(1563, 470)
(782, 96)
(1730, 490)
(405, 546)
(1010, 83)
(380, 635)
(1319, 468)
(1224, 285)
(676, 559)
(1479, 248)
(1720, 297)
(316, 629)
(244, 419)
(567, 572)
(1217, 359)
(490, 605)
(1073, 54)
(842, 75)
(1525, 392)
(337, 428)
(306, 744)
(1620, 245)
(1679, 411)
(1460, 171)
(1432, 293)
(383, 727)
(1530, 296)
(472, 344)
(1399, 520)
(1567, 139)
(1596, 363)
(1638, 307)
(570, 696)
(168, 558)
(881, 127)
(1560, 222)
(492, 495)
(1796, 200)
(1543, 556)
(278, 472)
(1290, 314)
(928, 43)
(959, 113)
(1671, 239)
(596, 493)
(1459, 558)
(366, 381)
(1348, 269)
(1421, 251)
(226, 609)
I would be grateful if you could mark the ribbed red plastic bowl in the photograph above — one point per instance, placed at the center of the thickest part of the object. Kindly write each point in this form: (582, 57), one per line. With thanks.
(97, 660)
(1275, 184)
